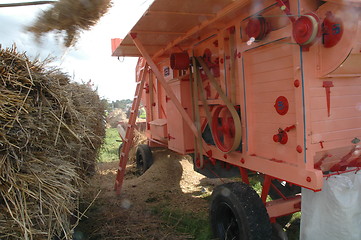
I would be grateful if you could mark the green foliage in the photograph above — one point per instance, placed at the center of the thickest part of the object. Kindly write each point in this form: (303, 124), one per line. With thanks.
(122, 104)
(142, 113)
(109, 150)
(194, 224)
(107, 105)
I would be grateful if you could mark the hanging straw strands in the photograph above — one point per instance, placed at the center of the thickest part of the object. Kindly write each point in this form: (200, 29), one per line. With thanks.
(70, 16)
(50, 134)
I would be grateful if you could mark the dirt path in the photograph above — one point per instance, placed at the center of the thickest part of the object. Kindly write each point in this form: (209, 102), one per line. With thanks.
(171, 182)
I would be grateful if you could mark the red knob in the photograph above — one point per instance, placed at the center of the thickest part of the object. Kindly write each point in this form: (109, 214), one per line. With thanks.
(281, 137)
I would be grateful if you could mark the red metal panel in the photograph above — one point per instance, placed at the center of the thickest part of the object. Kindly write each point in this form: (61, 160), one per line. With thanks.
(181, 138)
(269, 81)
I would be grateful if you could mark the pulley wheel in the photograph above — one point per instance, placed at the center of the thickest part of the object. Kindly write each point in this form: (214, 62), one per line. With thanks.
(224, 131)
(305, 29)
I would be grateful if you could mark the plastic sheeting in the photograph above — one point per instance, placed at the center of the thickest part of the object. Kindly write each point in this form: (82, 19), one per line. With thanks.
(335, 212)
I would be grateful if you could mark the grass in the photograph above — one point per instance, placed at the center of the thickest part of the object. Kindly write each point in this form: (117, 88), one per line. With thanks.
(193, 224)
(109, 150)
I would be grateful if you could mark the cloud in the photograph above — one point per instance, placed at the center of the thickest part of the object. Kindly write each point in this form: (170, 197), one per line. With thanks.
(91, 57)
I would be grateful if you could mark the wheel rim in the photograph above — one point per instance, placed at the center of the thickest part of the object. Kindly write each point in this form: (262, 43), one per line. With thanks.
(223, 129)
(226, 223)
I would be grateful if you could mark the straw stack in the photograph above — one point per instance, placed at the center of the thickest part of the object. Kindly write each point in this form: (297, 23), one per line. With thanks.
(71, 16)
(50, 134)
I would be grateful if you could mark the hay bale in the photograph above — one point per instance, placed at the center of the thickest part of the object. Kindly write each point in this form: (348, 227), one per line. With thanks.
(71, 17)
(116, 116)
(50, 134)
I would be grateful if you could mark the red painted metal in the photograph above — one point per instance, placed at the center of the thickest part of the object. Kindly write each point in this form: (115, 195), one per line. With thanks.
(342, 172)
(318, 164)
(257, 28)
(306, 29)
(115, 43)
(266, 187)
(355, 163)
(224, 131)
(260, 73)
(207, 89)
(179, 61)
(278, 191)
(281, 105)
(281, 207)
(296, 83)
(244, 175)
(285, 7)
(327, 85)
(127, 143)
(332, 30)
(213, 161)
(343, 164)
(212, 65)
(133, 35)
(281, 137)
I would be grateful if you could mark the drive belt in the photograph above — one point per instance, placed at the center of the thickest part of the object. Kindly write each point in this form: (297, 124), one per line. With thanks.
(228, 104)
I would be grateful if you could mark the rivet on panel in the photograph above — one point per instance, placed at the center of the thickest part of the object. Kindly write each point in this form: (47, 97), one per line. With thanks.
(308, 179)
(296, 83)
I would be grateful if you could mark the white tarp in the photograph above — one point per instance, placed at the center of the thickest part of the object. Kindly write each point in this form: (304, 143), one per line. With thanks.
(335, 212)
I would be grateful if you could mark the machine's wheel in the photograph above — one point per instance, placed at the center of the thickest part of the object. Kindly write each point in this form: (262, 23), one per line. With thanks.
(144, 158)
(278, 232)
(237, 212)
(225, 135)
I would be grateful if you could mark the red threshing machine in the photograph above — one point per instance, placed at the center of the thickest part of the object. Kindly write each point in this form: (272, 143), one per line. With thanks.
(266, 87)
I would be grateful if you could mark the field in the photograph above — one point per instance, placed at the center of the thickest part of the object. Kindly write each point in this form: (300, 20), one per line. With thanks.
(169, 201)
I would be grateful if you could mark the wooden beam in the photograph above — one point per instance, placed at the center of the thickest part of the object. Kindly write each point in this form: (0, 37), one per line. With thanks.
(181, 13)
(194, 30)
(165, 85)
(148, 45)
(158, 32)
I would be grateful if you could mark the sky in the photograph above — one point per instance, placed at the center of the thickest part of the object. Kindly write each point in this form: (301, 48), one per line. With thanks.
(91, 57)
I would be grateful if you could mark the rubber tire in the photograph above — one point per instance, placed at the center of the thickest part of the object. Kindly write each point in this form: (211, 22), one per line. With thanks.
(278, 233)
(144, 158)
(238, 208)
